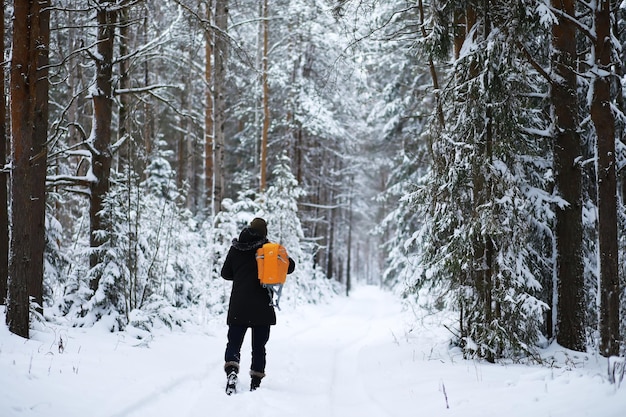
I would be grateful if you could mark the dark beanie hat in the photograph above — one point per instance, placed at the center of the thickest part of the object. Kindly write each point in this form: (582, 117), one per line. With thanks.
(259, 226)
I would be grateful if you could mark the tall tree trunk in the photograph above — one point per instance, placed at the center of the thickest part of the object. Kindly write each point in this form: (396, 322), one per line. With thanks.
(182, 155)
(604, 122)
(148, 128)
(483, 253)
(208, 111)
(568, 181)
(29, 101)
(21, 109)
(220, 56)
(101, 131)
(188, 154)
(330, 240)
(349, 242)
(266, 99)
(125, 155)
(195, 149)
(4, 213)
(39, 161)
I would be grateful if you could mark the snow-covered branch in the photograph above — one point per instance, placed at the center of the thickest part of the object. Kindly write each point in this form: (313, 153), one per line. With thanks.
(145, 89)
(583, 28)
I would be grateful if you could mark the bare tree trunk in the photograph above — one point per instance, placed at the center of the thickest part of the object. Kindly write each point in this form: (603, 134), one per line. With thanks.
(101, 131)
(568, 180)
(195, 150)
(40, 151)
(188, 155)
(220, 56)
(194, 155)
(349, 243)
(208, 112)
(266, 99)
(333, 263)
(182, 155)
(620, 70)
(4, 213)
(604, 122)
(148, 128)
(330, 240)
(29, 101)
(299, 153)
(125, 154)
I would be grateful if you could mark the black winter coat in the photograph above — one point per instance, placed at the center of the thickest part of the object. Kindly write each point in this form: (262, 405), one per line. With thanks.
(250, 303)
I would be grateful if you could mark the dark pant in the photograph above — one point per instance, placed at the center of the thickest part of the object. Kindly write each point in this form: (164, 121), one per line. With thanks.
(260, 336)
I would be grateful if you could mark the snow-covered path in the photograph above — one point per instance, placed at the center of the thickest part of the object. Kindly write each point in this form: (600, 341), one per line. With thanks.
(361, 356)
(315, 362)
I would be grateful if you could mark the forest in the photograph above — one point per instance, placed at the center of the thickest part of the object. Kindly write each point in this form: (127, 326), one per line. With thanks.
(466, 154)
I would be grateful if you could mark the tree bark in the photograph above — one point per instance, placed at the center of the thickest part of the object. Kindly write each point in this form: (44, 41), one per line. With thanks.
(148, 109)
(101, 131)
(208, 112)
(182, 154)
(40, 151)
(266, 99)
(125, 155)
(349, 242)
(604, 122)
(568, 181)
(29, 107)
(220, 56)
(4, 212)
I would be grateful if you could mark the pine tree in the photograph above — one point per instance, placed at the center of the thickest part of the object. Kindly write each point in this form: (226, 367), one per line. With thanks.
(482, 197)
(281, 206)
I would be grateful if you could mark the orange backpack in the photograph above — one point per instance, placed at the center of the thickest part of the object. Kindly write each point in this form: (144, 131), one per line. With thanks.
(272, 263)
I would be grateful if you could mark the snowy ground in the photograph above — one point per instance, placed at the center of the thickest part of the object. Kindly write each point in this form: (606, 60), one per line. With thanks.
(353, 357)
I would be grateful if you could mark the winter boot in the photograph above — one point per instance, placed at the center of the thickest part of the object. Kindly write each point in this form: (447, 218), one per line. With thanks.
(232, 369)
(255, 380)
